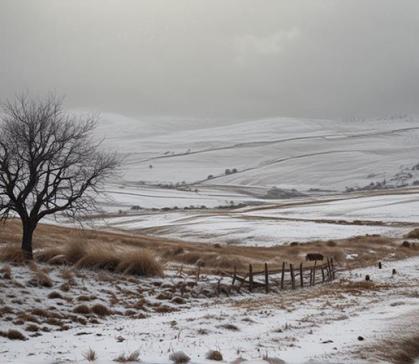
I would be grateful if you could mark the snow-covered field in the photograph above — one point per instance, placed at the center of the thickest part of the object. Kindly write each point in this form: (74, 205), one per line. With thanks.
(321, 324)
(167, 163)
(281, 221)
(283, 152)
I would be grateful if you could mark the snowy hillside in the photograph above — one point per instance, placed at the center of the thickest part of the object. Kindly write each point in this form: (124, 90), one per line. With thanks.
(284, 152)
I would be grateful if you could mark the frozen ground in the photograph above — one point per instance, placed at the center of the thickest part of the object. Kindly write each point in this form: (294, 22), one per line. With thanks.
(317, 325)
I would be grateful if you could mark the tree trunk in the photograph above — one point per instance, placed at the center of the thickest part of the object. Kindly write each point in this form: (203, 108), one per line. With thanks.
(28, 229)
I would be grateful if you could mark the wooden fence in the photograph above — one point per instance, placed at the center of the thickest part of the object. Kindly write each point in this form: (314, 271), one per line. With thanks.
(283, 277)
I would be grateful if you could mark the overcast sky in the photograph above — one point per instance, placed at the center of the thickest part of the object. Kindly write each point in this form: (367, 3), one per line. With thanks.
(217, 58)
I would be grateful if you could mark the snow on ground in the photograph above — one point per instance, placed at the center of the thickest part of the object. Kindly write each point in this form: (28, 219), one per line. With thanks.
(301, 153)
(387, 208)
(316, 324)
(238, 231)
(283, 221)
(146, 197)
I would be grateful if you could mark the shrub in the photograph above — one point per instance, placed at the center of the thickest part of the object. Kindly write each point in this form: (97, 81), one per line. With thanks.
(179, 357)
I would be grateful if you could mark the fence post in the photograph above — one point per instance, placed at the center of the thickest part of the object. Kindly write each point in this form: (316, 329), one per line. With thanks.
(329, 272)
(266, 278)
(322, 273)
(314, 273)
(311, 276)
(198, 273)
(234, 276)
(333, 268)
(282, 275)
(250, 277)
(301, 275)
(292, 277)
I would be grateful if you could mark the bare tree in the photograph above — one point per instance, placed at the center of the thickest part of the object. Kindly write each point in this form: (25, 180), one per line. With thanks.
(49, 163)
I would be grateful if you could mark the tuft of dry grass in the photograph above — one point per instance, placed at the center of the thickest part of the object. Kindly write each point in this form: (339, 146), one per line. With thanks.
(7, 272)
(404, 350)
(414, 234)
(101, 310)
(55, 295)
(142, 263)
(40, 279)
(90, 355)
(32, 328)
(214, 355)
(81, 309)
(230, 327)
(12, 253)
(179, 357)
(13, 335)
(131, 358)
(104, 256)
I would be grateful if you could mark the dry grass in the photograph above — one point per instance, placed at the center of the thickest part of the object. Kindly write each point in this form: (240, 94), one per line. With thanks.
(404, 350)
(90, 355)
(12, 253)
(141, 263)
(101, 310)
(7, 272)
(32, 328)
(104, 256)
(230, 327)
(179, 357)
(13, 335)
(55, 295)
(82, 309)
(114, 251)
(214, 355)
(414, 234)
(40, 279)
(131, 358)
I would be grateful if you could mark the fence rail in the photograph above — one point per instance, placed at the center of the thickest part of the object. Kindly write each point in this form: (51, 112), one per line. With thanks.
(283, 277)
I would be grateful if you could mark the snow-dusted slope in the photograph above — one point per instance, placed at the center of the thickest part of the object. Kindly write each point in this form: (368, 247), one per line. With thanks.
(284, 152)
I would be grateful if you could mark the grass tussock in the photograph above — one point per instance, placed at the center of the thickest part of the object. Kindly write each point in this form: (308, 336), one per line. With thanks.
(214, 355)
(12, 253)
(414, 234)
(7, 272)
(404, 350)
(104, 256)
(40, 279)
(82, 309)
(179, 357)
(134, 357)
(101, 310)
(142, 263)
(13, 335)
(54, 295)
(90, 355)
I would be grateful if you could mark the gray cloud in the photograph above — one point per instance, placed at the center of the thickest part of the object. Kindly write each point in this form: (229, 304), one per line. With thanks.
(217, 58)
